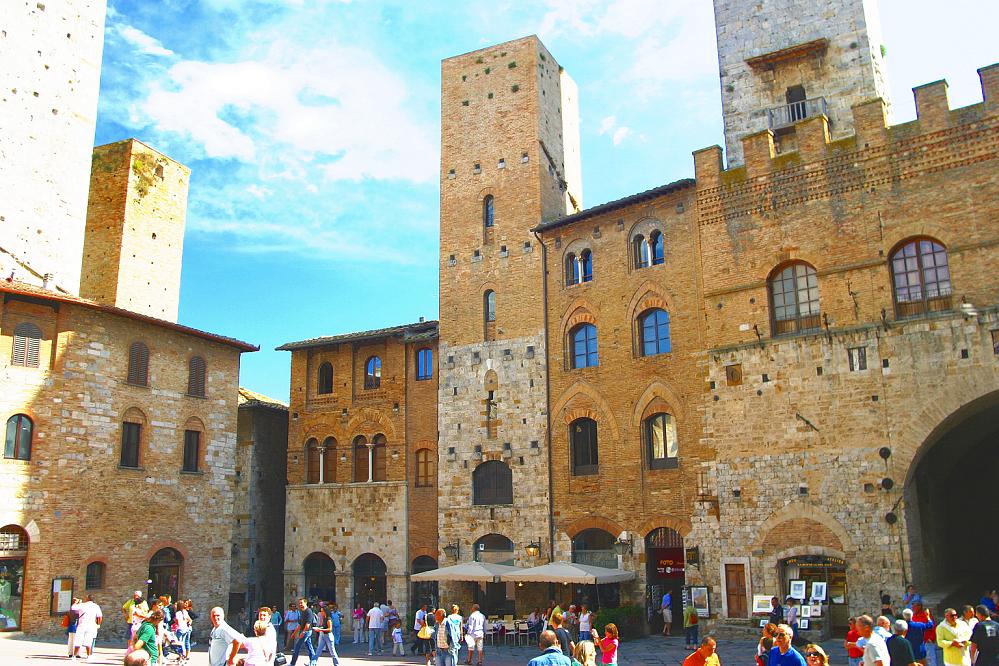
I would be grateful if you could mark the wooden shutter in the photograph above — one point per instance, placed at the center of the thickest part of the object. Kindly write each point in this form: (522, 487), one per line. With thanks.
(27, 339)
(138, 364)
(196, 377)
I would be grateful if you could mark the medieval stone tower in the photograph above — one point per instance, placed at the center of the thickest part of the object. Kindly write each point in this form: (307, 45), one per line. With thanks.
(782, 61)
(135, 229)
(51, 55)
(509, 159)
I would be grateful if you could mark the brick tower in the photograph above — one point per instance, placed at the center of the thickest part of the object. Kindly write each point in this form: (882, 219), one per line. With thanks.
(509, 159)
(782, 61)
(135, 229)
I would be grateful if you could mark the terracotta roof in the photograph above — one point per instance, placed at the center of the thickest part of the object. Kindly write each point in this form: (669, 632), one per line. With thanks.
(616, 204)
(250, 398)
(421, 330)
(30, 290)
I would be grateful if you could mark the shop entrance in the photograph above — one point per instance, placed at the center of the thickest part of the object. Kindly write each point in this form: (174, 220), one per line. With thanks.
(369, 580)
(13, 557)
(664, 575)
(822, 576)
(320, 577)
(164, 574)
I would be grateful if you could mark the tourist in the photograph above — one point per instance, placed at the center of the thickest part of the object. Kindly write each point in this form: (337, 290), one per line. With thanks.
(815, 655)
(875, 650)
(269, 640)
(882, 627)
(440, 653)
(291, 617)
(375, 618)
(419, 621)
(766, 644)
(89, 622)
(324, 629)
(585, 654)
(886, 607)
(776, 611)
(223, 640)
(384, 635)
(900, 650)
(277, 621)
(911, 596)
(136, 657)
(453, 627)
(183, 629)
(570, 620)
(69, 621)
(704, 655)
(783, 653)
(134, 611)
(357, 624)
(989, 600)
(336, 621)
(852, 643)
(398, 648)
(690, 621)
(303, 633)
(260, 649)
(968, 615)
(564, 640)
(916, 634)
(147, 636)
(985, 639)
(551, 654)
(791, 615)
(585, 621)
(534, 621)
(952, 637)
(475, 632)
(922, 615)
(165, 603)
(667, 610)
(607, 645)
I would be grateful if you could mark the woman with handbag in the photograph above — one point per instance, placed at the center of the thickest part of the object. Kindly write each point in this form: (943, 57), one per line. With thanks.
(426, 632)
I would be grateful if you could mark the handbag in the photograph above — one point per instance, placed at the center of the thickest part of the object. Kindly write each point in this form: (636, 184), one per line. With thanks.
(425, 632)
(280, 659)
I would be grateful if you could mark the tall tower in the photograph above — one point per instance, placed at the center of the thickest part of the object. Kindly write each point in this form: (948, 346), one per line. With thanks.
(781, 61)
(51, 55)
(135, 229)
(509, 159)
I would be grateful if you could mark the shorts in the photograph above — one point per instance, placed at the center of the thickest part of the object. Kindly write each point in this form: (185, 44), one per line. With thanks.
(85, 638)
(475, 643)
(667, 616)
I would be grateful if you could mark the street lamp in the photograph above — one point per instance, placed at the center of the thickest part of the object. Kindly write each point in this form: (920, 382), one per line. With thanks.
(533, 548)
(622, 546)
(452, 550)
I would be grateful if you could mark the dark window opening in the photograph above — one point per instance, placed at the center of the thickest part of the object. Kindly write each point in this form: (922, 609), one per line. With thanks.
(492, 483)
(583, 442)
(324, 384)
(192, 450)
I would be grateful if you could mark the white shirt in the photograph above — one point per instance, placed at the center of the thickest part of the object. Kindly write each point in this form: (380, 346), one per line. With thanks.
(420, 616)
(88, 612)
(476, 624)
(220, 642)
(876, 650)
(584, 622)
(792, 615)
(258, 653)
(375, 618)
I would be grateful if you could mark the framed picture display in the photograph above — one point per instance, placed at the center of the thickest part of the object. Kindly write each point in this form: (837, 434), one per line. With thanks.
(816, 610)
(62, 595)
(806, 610)
(803, 623)
(761, 604)
(798, 589)
(818, 591)
(699, 600)
(763, 622)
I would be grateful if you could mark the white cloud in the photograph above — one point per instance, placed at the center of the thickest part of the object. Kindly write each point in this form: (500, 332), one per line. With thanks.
(620, 134)
(143, 42)
(607, 124)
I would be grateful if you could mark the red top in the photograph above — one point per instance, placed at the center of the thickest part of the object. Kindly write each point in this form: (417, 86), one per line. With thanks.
(851, 637)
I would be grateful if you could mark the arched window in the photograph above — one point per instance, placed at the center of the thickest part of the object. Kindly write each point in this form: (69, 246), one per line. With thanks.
(571, 270)
(424, 592)
(492, 483)
(658, 251)
(594, 546)
(488, 211)
(641, 251)
(164, 573)
(424, 364)
(27, 339)
(138, 364)
(425, 473)
(494, 549)
(95, 576)
(131, 438)
(583, 444)
(17, 445)
(320, 576)
(489, 305)
(794, 299)
(920, 278)
(660, 441)
(196, 377)
(193, 432)
(327, 452)
(369, 580)
(312, 461)
(324, 382)
(373, 373)
(655, 332)
(584, 346)
(586, 266)
(379, 464)
(361, 459)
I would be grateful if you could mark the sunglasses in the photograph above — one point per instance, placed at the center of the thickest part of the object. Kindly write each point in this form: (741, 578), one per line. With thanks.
(780, 635)
(812, 654)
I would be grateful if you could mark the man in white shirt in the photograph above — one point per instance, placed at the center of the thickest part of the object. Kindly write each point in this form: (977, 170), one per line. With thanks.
(876, 650)
(223, 640)
(375, 619)
(89, 622)
(475, 627)
(418, 621)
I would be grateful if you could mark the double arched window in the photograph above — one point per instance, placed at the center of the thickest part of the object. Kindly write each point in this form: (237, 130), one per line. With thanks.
(370, 462)
(27, 340)
(17, 443)
(654, 326)
(373, 373)
(583, 339)
(196, 377)
(320, 461)
(649, 251)
(920, 278)
(794, 299)
(660, 441)
(361, 460)
(583, 446)
(492, 483)
(578, 268)
(313, 464)
(324, 380)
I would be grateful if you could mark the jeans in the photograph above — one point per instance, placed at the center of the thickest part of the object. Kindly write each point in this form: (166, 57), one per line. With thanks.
(374, 637)
(447, 657)
(691, 635)
(305, 638)
(336, 634)
(855, 661)
(185, 640)
(326, 643)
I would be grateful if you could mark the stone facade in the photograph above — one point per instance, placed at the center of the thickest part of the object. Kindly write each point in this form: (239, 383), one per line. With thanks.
(351, 502)
(52, 59)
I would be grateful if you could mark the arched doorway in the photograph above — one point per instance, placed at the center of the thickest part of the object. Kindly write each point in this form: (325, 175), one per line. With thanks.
(13, 558)
(424, 592)
(369, 580)
(664, 574)
(595, 546)
(954, 473)
(320, 577)
(164, 573)
(495, 598)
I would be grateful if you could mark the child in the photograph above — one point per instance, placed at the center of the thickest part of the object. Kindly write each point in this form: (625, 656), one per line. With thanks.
(608, 644)
(257, 651)
(397, 645)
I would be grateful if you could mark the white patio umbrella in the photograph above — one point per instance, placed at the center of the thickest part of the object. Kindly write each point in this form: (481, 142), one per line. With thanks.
(480, 572)
(568, 572)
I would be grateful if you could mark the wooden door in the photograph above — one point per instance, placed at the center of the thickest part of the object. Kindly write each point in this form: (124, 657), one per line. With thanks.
(735, 590)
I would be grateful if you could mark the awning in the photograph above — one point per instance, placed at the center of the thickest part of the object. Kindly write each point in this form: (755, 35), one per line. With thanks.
(568, 572)
(481, 572)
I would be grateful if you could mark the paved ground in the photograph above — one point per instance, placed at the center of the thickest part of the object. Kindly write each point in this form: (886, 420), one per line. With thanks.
(654, 651)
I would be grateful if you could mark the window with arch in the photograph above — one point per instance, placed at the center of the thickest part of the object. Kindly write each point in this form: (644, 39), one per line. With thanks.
(17, 444)
(312, 461)
(425, 473)
(794, 299)
(594, 546)
(373, 373)
(657, 250)
(320, 576)
(379, 462)
(164, 573)
(327, 454)
(583, 446)
(27, 342)
(571, 270)
(193, 435)
(641, 251)
(661, 445)
(492, 483)
(489, 305)
(488, 211)
(95, 576)
(424, 364)
(131, 439)
(138, 364)
(584, 346)
(196, 377)
(579, 268)
(494, 549)
(654, 325)
(586, 266)
(324, 380)
(920, 278)
(361, 459)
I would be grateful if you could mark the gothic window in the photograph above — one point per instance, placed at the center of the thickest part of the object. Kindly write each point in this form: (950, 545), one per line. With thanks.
(27, 339)
(584, 346)
(312, 461)
(488, 211)
(324, 383)
(360, 459)
(641, 251)
(489, 301)
(920, 278)
(492, 483)
(425, 474)
(373, 373)
(424, 364)
(17, 444)
(327, 453)
(655, 332)
(583, 444)
(196, 377)
(660, 441)
(585, 266)
(138, 364)
(794, 299)
(379, 464)
(657, 249)
(571, 276)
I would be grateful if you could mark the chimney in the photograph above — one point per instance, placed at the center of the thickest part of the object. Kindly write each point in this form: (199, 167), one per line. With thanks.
(46, 279)
(422, 319)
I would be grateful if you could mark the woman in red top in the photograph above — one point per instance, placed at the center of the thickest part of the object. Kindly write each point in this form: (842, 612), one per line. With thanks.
(856, 654)
(608, 644)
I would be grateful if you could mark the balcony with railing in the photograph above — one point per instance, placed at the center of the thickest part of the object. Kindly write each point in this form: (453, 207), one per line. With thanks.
(780, 117)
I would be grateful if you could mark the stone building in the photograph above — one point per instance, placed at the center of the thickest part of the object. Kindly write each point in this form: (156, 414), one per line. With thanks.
(362, 457)
(256, 574)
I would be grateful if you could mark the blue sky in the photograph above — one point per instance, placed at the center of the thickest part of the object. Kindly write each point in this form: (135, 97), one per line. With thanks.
(312, 130)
